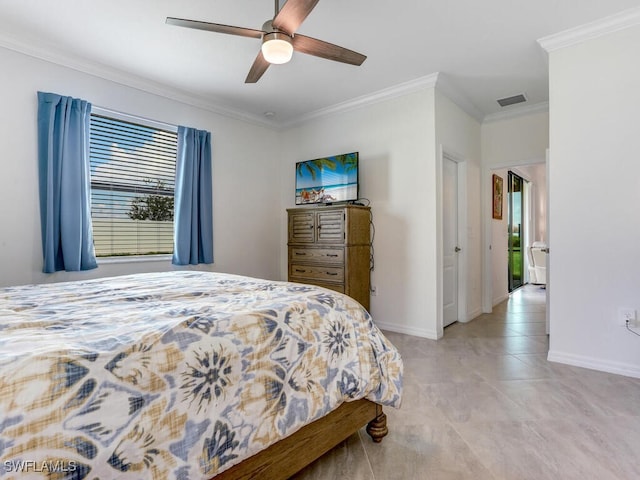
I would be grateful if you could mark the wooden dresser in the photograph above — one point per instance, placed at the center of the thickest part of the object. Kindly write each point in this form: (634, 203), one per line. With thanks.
(331, 247)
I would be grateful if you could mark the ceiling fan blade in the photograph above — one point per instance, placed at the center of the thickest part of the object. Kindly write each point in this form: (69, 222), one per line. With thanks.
(259, 66)
(293, 14)
(215, 27)
(319, 48)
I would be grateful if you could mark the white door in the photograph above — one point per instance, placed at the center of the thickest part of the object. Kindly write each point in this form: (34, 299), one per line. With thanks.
(450, 241)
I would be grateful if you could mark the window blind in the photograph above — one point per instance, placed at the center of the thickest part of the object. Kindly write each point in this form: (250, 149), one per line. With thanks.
(132, 187)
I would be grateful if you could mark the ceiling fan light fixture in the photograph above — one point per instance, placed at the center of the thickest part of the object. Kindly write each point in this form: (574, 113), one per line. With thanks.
(277, 48)
(279, 38)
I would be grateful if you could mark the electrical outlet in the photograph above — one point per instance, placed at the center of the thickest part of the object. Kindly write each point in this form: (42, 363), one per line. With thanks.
(374, 291)
(627, 316)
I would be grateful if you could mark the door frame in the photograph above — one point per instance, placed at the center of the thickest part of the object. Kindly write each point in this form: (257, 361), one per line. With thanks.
(487, 240)
(548, 272)
(443, 152)
(523, 232)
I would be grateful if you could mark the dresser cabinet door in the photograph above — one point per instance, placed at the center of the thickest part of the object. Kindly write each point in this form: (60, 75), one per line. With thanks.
(330, 227)
(302, 227)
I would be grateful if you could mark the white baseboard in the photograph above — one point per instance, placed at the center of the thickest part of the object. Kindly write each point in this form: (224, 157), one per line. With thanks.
(501, 299)
(416, 332)
(619, 368)
(473, 314)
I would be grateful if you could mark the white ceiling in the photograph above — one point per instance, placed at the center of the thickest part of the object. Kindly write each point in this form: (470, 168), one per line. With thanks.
(485, 49)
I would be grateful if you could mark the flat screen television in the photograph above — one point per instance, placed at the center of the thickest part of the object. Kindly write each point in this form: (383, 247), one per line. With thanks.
(327, 180)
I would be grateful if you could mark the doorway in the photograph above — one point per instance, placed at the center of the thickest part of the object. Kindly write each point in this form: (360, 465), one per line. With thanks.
(516, 226)
(496, 258)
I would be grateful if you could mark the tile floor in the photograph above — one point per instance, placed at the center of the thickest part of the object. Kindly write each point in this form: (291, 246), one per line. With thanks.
(484, 403)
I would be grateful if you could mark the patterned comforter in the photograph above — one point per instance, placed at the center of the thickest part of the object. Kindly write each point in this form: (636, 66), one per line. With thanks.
(175, 375)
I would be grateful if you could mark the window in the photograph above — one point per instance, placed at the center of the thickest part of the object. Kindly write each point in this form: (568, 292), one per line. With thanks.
(132, 185)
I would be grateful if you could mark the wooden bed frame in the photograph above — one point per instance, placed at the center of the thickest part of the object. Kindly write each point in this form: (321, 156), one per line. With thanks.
(292, 454)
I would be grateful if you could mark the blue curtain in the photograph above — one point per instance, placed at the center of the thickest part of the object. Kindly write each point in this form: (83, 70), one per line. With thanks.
(65, 183)
(193, 219)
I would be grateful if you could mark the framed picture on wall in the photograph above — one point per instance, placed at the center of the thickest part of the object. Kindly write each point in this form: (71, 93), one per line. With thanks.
(497, 197)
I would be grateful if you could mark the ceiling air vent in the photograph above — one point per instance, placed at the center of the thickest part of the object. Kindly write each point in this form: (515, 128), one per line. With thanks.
(505, 102)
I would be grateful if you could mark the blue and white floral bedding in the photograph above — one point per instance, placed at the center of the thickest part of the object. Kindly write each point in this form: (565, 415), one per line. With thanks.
(175, 375)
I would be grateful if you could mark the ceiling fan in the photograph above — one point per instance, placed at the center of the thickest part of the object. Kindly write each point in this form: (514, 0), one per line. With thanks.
(279, 39)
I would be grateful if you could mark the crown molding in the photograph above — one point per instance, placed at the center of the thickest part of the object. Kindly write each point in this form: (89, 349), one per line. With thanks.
(434, 80)
(516, 112)
(457, 96)
(405, 88)
(123, 78)
(604, 26)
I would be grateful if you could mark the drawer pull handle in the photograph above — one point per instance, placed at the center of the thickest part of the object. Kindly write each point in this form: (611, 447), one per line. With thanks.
(332, 254)
(331, 273)
(300, 271)
(302, 254)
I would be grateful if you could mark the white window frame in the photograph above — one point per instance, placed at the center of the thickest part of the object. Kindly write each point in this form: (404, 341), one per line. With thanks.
(148, 123)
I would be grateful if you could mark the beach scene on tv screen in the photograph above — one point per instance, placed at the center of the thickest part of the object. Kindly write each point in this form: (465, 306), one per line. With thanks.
(327, 180)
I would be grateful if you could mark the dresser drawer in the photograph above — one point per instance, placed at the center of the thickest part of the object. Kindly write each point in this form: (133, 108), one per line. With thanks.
(324, 255)
(316, 272)
(336, 287)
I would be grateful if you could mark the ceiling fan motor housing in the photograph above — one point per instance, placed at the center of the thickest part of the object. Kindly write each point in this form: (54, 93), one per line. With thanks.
(277, 47)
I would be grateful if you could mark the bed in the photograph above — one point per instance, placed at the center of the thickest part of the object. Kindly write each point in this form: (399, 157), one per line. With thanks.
(185, 375)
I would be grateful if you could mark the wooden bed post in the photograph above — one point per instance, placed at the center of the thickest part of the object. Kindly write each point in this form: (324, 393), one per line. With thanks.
(377, 428)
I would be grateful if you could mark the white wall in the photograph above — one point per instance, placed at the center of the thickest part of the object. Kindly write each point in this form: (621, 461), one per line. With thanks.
(400, 141)
(516, 141)
(594, 199)
(459, 135)
(396, 141)
(246, 179)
